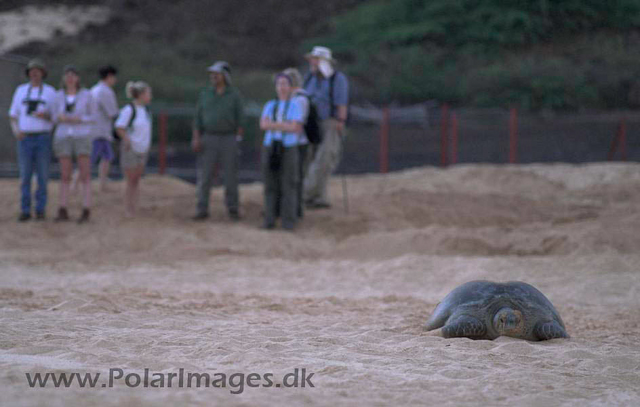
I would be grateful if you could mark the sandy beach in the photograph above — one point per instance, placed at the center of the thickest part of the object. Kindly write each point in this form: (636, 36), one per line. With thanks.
(344, 297)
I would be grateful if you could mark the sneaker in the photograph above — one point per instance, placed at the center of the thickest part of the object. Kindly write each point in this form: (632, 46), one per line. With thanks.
(63, 215)
(200, 216)
(40, 216)
(24, 217)
(85, 216)
(234, 214)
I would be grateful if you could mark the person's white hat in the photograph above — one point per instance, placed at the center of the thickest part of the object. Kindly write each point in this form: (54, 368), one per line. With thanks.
(223, 68)
(322, 53)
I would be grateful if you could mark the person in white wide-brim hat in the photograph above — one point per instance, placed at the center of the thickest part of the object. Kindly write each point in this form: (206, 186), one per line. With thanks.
(30, 115)
(328, 90)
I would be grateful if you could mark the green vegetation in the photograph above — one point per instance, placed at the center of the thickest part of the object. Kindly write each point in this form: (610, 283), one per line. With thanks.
(538, 54)
(545, 54)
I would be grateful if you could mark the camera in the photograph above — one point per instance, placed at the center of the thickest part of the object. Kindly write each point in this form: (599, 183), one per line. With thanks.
(32, 106)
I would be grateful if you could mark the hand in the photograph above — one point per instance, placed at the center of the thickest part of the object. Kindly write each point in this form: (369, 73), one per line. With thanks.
(20, 135)
(127, 143)
(196, 144)
(42, 115)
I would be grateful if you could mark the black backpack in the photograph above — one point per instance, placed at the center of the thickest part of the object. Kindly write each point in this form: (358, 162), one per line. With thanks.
(130, 124)
(312, 125)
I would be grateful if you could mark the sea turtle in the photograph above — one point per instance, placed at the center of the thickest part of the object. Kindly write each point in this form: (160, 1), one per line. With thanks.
(486, 310)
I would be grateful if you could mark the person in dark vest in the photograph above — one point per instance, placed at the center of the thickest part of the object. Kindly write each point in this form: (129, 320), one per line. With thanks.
(329, 91)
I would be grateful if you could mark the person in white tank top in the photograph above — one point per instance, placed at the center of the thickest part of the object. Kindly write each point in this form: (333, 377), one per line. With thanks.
(136, 140)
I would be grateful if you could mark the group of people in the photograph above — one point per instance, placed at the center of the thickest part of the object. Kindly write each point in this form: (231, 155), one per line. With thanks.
(296, 162)
(81, 122)
(304, 129)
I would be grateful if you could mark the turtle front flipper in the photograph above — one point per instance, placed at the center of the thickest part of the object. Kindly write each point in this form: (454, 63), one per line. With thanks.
(550, 330)
(465, 326)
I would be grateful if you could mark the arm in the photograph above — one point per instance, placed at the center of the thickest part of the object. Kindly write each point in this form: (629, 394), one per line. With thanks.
(341, 113)
(288, 126)
(109, 104)
(239, 117)
(15, 129)
(124, 137)
(90, 109)
(341, 99)
(49, 113)
(14, 113)
(121, 125)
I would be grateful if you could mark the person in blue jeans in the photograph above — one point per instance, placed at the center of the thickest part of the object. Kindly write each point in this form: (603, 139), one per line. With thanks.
(31, 114)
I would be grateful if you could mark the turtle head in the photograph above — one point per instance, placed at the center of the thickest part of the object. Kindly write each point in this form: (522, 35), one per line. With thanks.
(507, 320)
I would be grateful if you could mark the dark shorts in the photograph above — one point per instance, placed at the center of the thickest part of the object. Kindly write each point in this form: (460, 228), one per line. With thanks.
(101, 150)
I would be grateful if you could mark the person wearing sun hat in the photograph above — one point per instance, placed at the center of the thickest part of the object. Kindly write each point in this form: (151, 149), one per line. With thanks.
(217, 130)
(328, 89)
(31, 122)
(74, 115)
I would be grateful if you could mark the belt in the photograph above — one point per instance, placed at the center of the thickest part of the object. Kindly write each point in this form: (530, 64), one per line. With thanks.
(39, 133)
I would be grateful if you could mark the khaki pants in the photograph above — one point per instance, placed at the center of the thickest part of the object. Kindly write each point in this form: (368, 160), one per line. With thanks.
(221, 149)
(325, 162)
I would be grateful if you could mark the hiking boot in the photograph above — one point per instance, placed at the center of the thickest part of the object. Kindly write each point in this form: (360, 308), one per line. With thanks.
(200, 216)
(40, 216)
(24, 217)
(85, 216)
(63, 215)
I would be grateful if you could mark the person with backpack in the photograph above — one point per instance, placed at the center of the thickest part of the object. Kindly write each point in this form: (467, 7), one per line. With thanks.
(74, 114)
(282, 121)
(329, 92)
(310, 133)
(133, 125)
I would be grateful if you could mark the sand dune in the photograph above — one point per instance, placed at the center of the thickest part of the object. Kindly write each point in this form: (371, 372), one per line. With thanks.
(344, 297)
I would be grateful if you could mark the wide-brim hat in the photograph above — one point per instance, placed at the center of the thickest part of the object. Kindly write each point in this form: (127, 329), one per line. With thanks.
(322, 53)
(222, 67)
(36, 64)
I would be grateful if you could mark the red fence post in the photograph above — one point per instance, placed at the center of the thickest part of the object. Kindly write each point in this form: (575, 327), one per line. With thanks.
(444, 135)
(454, 138)
(513, 135)
(162, 146)
(623, 139)
(619, 141)
(384, 141)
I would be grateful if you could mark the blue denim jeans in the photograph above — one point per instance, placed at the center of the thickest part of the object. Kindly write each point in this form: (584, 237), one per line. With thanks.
(34, 154)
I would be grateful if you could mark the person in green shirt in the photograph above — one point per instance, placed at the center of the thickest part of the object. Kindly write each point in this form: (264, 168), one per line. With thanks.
(217, 130)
